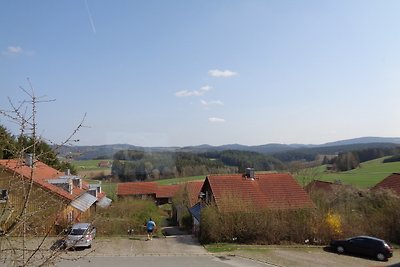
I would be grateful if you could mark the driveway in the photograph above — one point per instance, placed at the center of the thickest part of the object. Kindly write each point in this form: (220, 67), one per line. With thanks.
(170, 251)
(136, 246)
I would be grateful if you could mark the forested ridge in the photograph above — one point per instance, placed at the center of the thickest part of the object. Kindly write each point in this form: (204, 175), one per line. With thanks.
(133, 165)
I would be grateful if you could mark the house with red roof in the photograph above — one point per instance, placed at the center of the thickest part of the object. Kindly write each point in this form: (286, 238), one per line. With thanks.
(236, 192)
(161, 194)
(324, 187)
(392, 182)
(189, 198)
(59, 198)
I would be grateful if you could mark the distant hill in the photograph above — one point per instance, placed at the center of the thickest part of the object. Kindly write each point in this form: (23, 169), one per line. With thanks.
(264, 149)
(103, 151)
(108, 151)
(364, 140)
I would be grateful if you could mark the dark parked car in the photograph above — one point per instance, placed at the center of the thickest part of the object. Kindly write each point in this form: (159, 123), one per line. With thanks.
(364, 245)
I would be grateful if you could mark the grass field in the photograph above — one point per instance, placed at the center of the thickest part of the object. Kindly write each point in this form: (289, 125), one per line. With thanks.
(89, 165)
(90, 168)
(180, 180)
(368, 175)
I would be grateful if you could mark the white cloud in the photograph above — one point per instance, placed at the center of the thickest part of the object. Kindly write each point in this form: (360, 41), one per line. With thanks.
(17, 50)
(14, 49)
(211, 103)
(200, 92)
(222, 73)
(216, 120)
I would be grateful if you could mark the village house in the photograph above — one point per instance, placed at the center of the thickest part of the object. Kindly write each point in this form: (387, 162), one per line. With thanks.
(188, 201)
(251, 192)
(392, 182)
(104, 164)
(325, 187)
(161, 194)
(56, 198)
(193, 190)
(235, 192)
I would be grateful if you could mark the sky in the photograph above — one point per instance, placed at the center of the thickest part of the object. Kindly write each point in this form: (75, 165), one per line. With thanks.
(187, 72)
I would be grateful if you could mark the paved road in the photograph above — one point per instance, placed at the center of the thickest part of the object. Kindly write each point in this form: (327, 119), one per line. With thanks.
(172, 251)
(162, 261)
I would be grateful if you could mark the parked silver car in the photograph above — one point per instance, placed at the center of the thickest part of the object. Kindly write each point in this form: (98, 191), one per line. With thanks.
(80, 235)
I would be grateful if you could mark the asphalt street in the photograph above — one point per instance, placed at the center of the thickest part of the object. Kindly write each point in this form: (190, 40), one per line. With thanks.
(162, 261)
(174, 251)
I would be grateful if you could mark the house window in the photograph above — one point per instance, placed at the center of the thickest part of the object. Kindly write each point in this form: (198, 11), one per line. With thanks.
(70, 216)
(3, 195)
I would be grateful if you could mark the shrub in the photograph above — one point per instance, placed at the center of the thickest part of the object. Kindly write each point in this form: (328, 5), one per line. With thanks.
(127, 214)
(251, 226)
(334, 223)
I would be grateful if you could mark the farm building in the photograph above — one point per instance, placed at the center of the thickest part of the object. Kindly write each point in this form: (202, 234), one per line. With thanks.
(161, 194)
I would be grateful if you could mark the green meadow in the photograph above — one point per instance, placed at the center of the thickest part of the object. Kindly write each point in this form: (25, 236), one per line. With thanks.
(89, 165)
(367, 175)
(180, 180)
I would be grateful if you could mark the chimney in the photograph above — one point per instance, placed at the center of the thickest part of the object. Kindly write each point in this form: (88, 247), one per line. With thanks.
(67, 172)
(70, 186)
(250, 173)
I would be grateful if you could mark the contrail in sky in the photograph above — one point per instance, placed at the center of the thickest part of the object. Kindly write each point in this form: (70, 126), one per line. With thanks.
(90, 17)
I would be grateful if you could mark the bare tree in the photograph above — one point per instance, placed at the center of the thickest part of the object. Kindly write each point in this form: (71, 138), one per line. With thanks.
(25, 236)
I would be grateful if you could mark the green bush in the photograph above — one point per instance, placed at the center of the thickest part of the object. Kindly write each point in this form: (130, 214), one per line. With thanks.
(363, 212)
(127, 214)
(255, 227)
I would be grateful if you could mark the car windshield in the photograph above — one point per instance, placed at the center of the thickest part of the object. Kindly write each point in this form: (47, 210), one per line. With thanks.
(77, 231)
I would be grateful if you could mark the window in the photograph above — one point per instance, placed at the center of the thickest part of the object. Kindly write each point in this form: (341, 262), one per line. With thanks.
(3, 195)
(70, 216)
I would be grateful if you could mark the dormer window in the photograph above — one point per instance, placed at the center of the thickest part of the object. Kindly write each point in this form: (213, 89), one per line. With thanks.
(3, 195)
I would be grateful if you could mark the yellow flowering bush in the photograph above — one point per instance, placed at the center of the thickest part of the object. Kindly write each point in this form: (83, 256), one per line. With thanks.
(334, 222)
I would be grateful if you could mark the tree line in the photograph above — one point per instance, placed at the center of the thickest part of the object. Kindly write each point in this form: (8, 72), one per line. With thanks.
(10, 145)
(134, 165)
(138, 165)
(350, 160)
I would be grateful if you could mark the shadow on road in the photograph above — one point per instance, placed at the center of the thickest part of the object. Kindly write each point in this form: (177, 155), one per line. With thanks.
(58, 244)
(173, 231)
(331, 250)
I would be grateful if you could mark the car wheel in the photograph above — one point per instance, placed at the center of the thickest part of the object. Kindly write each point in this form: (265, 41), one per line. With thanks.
(380, 256)
(340, 249)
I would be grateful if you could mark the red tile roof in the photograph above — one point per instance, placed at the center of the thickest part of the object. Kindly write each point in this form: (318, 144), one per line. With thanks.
(136, 188)
(391, 182)
(40, 174)
(147, 188)
(193, 189)
(167, 191)
(327, 187)
(265, 191)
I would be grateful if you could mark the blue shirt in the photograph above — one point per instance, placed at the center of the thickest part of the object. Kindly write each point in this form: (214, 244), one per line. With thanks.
(150, 225)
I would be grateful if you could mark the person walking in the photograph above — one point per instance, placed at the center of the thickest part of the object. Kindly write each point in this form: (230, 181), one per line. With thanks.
(150, 227)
